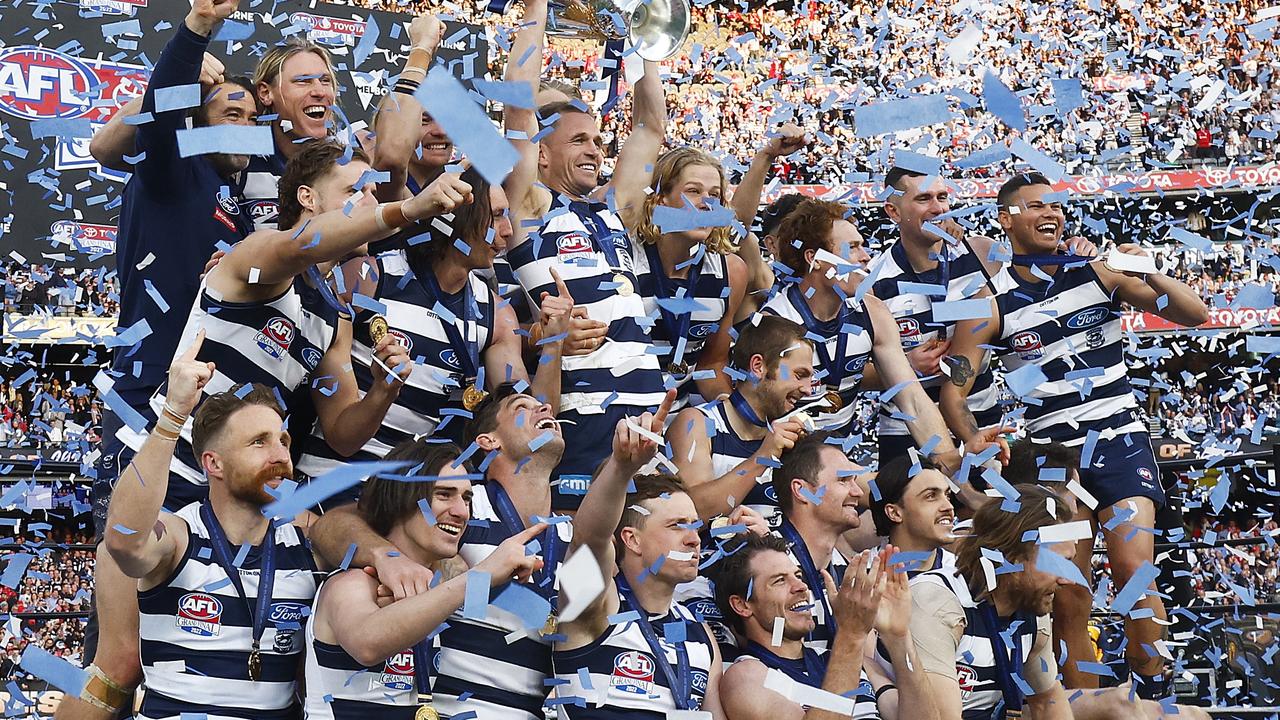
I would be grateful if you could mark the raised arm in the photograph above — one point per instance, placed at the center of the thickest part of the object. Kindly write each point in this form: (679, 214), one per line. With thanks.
(1155, 293)
(914, 697)
(398, 122)
(895, 370)
(524, 66)
(633, 172)
(143, 540)
(348, 419)
(113, 141)
(691, 452)
(787, 139)
(259, 264)
(337, 531)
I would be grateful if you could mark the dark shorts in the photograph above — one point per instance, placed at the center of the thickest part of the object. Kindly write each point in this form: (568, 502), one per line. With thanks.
(587, 442)
(1123, 467)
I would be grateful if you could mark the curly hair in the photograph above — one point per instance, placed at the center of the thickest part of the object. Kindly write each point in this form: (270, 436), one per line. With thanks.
(313, 162)
(666, 172)
(806, 228)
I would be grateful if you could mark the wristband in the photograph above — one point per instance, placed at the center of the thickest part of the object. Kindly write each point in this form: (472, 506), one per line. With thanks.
(168, 429)
(406, 86)
(173, 414)
(104, 693)
(418, 62)
(390, 216)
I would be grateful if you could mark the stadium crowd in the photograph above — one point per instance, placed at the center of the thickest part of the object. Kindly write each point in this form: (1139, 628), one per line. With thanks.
(39, 410)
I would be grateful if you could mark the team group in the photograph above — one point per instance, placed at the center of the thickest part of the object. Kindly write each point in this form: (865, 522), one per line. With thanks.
(605, 429)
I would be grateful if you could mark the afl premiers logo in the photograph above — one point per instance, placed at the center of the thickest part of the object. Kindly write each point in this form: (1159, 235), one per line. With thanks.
(1027, 345)
(632, 673)
(276, 337)
(200, 614)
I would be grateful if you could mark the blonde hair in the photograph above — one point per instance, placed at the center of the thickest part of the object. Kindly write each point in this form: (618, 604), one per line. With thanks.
(665, 174)
(272, 63)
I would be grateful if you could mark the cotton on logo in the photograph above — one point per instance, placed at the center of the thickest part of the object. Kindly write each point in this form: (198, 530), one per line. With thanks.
(37, 84)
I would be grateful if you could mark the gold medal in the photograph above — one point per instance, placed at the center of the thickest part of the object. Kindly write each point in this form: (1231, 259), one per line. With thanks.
(426, 712)
(718, 523)
(551, 625)
(378, 328)
(255, 663)
(625, 288)
(834, 400)
(472, 396)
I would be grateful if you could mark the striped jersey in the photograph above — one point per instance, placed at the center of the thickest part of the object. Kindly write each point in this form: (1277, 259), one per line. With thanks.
(586, 243)
(431, 397)
(980, 692)
(667, 301)
(904, 291)
(259, 189)
(728, 451)
(195, 632)
(498, 678)
(625, 680)
(1069, 328)
(277, 342)
(822, 635)
(340, 688)
(840, 367)
(798, 669)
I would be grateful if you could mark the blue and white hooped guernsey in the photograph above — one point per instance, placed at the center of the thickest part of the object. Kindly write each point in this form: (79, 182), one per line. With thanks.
(626, 681)
(846, 344)
(195, 632)
(586, 243)
(340, 688)
(899, 286)
(709, 277)
(478, 668)
(278, 343)
(1070, 328)
(432, 393)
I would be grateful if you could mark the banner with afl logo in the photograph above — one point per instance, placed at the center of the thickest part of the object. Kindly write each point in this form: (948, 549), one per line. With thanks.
(66, 66)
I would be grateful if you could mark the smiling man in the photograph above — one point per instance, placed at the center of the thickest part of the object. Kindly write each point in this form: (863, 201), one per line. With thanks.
(1060, 326)
(914, 512)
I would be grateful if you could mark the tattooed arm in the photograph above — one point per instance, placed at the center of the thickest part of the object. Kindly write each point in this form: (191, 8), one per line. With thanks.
(966, 354)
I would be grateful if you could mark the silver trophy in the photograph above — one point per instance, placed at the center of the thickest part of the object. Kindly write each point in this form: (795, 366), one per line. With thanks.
(656, 28)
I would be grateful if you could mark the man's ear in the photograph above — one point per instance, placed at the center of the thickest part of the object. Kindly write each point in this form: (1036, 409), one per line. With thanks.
(629, 540)
(306, 196)
(893, 512)
(738, 604)
(265, 96)
(1005, 218)
(488, 442)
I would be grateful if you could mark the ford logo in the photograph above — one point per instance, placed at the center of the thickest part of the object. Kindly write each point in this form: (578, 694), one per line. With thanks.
(703, 330)
(288, 613)
(856, 364)
(1088, 318)
(450, 357)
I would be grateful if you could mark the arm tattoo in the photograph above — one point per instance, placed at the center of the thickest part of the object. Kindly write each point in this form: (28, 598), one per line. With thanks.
(961, 370)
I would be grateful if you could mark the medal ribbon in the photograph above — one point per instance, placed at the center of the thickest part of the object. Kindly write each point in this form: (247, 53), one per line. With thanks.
(677, 324)
(1008, 659)
(550, 539)
(468, 352)
(812, 577)
(835, 365)
(259, 610)
(815, 665)
(679, 679)
(744, 409)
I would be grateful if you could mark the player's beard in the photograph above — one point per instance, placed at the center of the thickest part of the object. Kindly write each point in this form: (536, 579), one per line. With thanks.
(254, 490)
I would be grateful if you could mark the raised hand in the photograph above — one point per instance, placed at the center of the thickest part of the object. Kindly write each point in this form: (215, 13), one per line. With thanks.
(585, 334)
(187, 378)
(212, 71)
(993, 435)
(926, 357)
(426, 31)
(787, 139)
(637, 439)
(556, 311)
(400, 576)
(783, 435)
(894, 613)
(205, 14)
(755, 522)
(509, 560)
(390, 354)
(1079, 245)
(445, 194)
(857, 601)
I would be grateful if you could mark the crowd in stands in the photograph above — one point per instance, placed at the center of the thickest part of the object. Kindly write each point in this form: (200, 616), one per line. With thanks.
(30, 289)
(44, 410)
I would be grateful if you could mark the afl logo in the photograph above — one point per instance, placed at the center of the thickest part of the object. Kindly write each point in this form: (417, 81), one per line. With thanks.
(401, 338)
(38, 84)
(702, 331)
(200, 614)
(1088, 318)
(288, 613)
(632, 673)
(450, 357)
(573, 243)
(276, 337)
(264, 210)
(397, 673)
(1027, 345)
(967, 678)
(909, 331)
(1145, 474)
